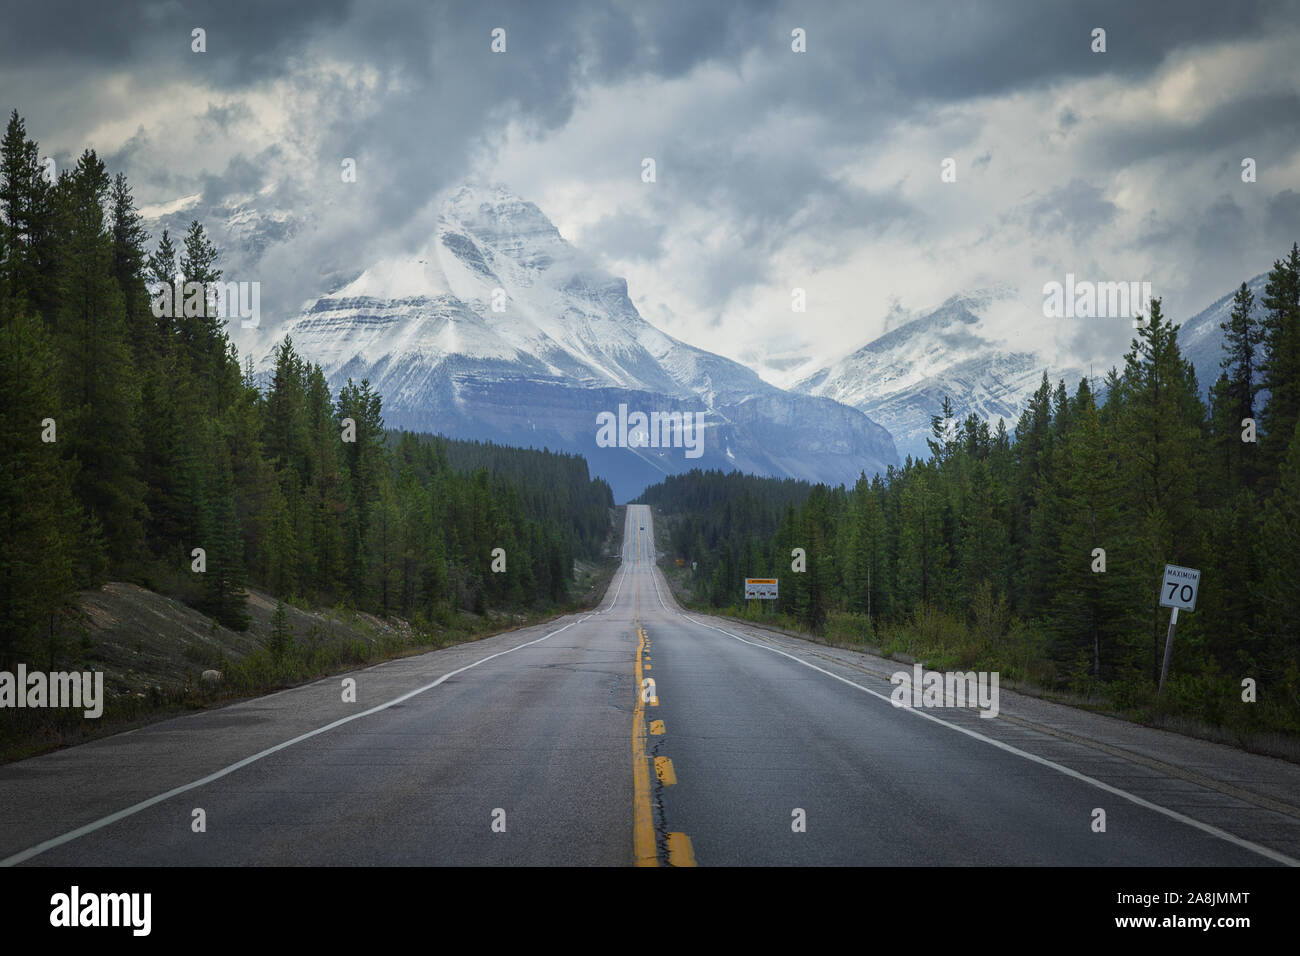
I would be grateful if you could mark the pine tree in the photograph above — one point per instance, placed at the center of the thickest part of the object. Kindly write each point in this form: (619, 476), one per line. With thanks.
(866, 550)
(223, 580)
(281, 549)
(1162, 447)
(1032, 433)
(814, 596)
(99, 387)
(129, 238)
(1234, 528)
(25, 206)
(923, 556)
(1280, 326)
(161, 272)
(1045, 519)
(1240, 343)
(203, 338)
(39, 519)
(360, 407)
(1226, 459)
(943, 431)
(281, 639)
(1278, 548)
(285, 415)
(1093, 580)
(163, 266)
(323, 569)
(984, 547)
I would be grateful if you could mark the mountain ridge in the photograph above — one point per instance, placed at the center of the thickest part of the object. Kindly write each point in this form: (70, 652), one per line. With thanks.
(498, 329)
(889, 380)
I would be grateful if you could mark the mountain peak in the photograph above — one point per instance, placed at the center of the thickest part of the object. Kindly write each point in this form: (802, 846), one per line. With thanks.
(500, 330)
(976, 300)
(494, 215)
(902, 377)
(472, 195)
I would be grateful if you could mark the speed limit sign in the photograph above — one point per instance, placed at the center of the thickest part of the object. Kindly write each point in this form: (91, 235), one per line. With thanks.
(1179, 587)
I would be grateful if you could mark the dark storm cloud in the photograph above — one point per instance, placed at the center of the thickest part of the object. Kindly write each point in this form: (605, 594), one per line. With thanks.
(949, 52)
(223, 117)
(411, 92)
(247, 40)
(937, 49)
(1284, 217)
(1078, 209)
(1222, 226)
(1262, 120)
(625, 237)
(775, 197)
(242, 175)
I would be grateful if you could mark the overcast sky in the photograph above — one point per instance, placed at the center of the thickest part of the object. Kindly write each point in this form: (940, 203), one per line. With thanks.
(775, 169)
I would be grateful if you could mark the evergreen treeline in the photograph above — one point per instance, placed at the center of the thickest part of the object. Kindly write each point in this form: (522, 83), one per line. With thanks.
(999, 526)
(131, 440)
(721, 520)
(554, 486)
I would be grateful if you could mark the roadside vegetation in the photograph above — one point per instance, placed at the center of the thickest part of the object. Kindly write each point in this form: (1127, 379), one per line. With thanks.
(1037, 550)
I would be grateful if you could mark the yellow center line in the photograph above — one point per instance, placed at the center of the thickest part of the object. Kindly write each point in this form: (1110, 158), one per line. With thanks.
(643, 833)
(645, 852)
(680, 851)
(664, 771)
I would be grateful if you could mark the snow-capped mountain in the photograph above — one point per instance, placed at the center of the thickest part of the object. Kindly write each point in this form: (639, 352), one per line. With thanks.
(901, 378)
(243, 226)
(499, 329)
(1201, 338)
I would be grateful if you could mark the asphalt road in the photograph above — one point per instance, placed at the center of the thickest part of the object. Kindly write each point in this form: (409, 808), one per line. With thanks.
(635, 733)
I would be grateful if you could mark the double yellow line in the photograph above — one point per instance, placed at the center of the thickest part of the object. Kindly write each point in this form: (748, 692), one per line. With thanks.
(680, 851)
(643, 830)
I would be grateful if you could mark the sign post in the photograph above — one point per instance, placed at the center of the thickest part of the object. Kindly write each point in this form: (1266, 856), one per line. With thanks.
(763, 589)
(1177, 591)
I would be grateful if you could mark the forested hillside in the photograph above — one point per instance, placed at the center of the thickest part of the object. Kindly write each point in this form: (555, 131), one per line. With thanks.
(1001, 534)
(552, 486)
(132, 440)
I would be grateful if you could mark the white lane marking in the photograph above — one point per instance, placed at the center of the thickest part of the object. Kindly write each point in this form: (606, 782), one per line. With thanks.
(1060, 768)
(621, 578)
(655, 579)
(176, 791)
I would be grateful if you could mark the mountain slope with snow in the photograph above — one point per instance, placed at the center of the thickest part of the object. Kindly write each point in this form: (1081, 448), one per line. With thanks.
(1201, 338)
(499, 329)
(901, 378)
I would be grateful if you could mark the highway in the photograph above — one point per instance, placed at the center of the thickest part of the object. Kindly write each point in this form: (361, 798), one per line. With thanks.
(639, 734)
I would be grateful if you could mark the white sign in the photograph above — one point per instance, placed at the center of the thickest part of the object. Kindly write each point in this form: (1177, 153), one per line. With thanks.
(1179, 587)
(761, 588)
